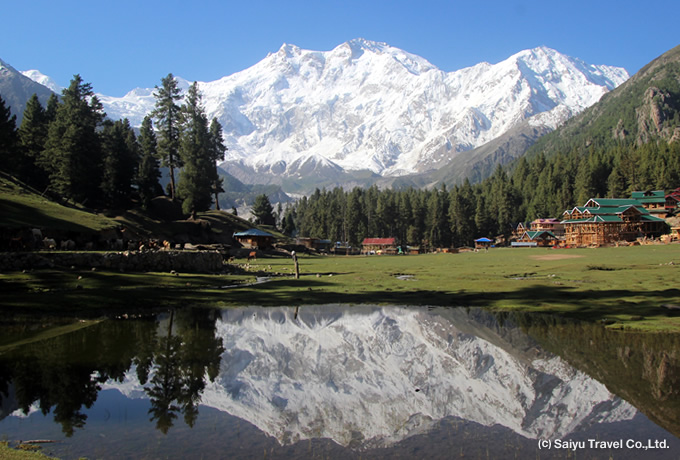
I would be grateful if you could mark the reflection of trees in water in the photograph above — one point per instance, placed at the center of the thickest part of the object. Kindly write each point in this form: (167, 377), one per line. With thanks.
(182, 363)
(65, 373)
(643, 369)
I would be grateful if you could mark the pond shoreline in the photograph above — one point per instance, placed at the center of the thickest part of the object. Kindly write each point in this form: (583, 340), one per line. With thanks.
(620, 288)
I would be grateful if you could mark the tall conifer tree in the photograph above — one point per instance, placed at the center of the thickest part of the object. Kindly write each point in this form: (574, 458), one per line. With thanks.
(8, 138)
(120, 160)
(148, 173)
(168, 118)
(32, 138)
(72, 148)
(217, 150)
(196, 179)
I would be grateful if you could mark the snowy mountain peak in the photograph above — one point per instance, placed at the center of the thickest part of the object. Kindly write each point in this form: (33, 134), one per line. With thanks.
(43, 79)
(366, 105)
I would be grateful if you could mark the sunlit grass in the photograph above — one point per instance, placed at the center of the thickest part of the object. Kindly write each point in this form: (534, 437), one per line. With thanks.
(632, 287)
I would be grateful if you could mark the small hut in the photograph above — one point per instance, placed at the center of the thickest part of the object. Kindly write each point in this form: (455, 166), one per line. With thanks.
(254, 238)
(379, 246)
(483, 243)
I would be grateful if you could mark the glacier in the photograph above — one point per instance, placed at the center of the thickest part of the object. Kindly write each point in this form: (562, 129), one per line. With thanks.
(366, 105)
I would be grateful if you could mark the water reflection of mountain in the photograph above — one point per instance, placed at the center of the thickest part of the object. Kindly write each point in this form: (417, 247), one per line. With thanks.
(375, 376)
(366, 377)
(644, 369)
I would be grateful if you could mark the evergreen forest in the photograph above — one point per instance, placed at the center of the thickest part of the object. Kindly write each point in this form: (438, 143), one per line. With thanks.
(534, 187)
(629, 141)
(71, 152)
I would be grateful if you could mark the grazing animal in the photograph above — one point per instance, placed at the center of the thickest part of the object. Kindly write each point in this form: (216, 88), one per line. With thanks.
(68, 245)
(49, 243)
(37, 235)
(252, 256)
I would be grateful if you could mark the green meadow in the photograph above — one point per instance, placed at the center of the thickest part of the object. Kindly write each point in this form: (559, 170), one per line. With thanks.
(629, 288)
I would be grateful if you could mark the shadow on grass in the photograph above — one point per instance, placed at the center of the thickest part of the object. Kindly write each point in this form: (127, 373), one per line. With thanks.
(55, 292)
(591, 305)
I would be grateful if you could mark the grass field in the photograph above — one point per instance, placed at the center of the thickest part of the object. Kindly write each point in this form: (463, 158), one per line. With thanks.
(625, 288)
(21, 207)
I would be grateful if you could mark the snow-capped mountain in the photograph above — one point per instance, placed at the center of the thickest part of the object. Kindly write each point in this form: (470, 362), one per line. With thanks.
(16, 89)
(43, 79)
(369, 106)
(371, 376)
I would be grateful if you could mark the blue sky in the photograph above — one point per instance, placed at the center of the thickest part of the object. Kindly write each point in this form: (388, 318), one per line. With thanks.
(119, 45)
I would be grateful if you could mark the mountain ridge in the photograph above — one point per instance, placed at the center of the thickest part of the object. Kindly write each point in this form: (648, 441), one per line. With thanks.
(371, 108)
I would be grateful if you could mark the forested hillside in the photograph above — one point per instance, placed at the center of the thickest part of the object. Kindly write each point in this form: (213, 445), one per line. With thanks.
(628, 141)
(71, 152)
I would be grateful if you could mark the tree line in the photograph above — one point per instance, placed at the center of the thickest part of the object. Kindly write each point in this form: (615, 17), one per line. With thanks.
(540, 186)
(71, 151)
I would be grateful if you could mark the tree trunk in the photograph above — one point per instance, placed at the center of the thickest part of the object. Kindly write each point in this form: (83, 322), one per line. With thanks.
(172, 183)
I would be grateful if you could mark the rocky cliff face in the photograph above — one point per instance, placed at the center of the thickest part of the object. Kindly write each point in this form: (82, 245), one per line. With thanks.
(655, 116)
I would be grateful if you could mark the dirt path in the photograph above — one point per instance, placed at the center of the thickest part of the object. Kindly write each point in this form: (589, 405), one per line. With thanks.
(556, 257)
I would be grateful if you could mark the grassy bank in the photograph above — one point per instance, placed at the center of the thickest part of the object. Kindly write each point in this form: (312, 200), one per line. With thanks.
(23, 452)
(630, 288)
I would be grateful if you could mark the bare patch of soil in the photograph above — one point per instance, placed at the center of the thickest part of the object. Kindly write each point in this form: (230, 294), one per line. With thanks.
(556, 256)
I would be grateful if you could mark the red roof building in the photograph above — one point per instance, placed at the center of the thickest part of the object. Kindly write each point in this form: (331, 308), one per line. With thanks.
(379, 245)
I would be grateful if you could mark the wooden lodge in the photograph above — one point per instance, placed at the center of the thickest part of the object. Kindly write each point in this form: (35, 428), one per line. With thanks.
(541, 233)
(672, 201)
(379, 246)
(608, 220)
(254, 238)
(653, 201)
(554, 226)
(535, 238)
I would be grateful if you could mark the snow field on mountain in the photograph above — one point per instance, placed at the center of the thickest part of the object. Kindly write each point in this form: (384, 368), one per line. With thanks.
(367, 105)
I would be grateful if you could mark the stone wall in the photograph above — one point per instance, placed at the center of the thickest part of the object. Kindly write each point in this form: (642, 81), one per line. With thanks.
(135, 261)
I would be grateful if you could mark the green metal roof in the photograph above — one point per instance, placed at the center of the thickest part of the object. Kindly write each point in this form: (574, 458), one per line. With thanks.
(649, 194)
(615, 202)
(537, 233)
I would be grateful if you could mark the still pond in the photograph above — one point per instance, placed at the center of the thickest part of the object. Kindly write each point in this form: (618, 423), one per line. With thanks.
(336, 381)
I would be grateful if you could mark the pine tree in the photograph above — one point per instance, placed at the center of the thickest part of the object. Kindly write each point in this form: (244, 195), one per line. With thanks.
(197, 177)
(51, 108)
(72, 149)
(148, 173)
(216, 153)
(32, 138)
(168, 118)
(263, 211)
(9, 152)
(120, 153)
(288, 222)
